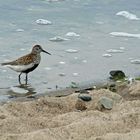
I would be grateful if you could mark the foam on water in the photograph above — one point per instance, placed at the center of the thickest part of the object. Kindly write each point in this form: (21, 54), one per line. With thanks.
(72, 34)
(124, 34)
(127, 15)
(115, 51)
(43, 22)
(58, 39)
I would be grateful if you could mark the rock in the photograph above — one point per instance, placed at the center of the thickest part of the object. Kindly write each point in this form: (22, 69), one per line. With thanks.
(80, 105)
(112, 87)
(85, 97)
(117, 75)
(105, 103)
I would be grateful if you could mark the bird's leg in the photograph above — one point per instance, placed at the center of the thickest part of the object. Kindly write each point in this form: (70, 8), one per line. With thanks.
(19, 78)
(26, 78)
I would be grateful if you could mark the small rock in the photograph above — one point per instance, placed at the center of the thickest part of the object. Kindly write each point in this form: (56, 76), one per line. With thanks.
(85, 97)
(105, 103)
(117, 75)
(62, 74)
(80, 105)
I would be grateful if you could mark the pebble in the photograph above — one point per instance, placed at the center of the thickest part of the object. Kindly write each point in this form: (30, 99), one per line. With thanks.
(105, 103)
(62, 74)
(107, 55)
(85, 97)
(43, 22)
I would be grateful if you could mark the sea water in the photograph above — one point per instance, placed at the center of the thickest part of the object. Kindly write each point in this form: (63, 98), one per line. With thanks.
(87, 39)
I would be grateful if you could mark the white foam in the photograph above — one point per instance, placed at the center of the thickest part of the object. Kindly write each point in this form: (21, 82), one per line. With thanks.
(71, 51)
(107, 55)
(47, 68)
(123, 34)
(115, 51)
(20, 30)
(135, 61)
(62, 62)
(72, 34)
(43, 22)
(75, 74)
(127, 15)
(58, 39)
(84, 61)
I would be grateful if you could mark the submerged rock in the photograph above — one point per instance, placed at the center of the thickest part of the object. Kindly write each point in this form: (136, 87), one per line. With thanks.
(117, 75)
(105, 103)
(85, 97)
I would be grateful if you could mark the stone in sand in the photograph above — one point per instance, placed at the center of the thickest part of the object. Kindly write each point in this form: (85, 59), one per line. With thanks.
(105, 103)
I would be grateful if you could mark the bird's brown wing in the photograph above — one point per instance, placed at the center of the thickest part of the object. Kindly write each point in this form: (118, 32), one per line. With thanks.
(24, 60)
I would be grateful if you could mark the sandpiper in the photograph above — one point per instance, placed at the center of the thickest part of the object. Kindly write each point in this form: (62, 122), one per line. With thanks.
(27, 63)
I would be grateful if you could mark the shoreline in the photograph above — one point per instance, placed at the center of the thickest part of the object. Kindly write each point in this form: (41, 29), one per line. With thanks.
(106, 116)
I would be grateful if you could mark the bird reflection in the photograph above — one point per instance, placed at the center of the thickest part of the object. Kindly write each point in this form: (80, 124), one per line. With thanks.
(22, 90)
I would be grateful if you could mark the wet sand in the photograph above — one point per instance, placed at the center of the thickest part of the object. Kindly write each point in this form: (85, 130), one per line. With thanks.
(62, 118)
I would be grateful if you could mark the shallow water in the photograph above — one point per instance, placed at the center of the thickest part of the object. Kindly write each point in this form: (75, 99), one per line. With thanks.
(77, 59)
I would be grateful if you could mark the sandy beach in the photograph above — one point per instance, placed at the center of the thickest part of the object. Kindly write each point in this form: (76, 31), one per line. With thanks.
(63, 118)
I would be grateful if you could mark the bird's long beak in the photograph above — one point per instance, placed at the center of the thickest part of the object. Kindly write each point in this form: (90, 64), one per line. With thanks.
(45, 52)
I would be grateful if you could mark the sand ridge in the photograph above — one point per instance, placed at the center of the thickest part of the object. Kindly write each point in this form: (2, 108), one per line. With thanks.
(56, 118)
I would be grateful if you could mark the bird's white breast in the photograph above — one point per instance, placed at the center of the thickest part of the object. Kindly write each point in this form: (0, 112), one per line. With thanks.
(20, 68)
